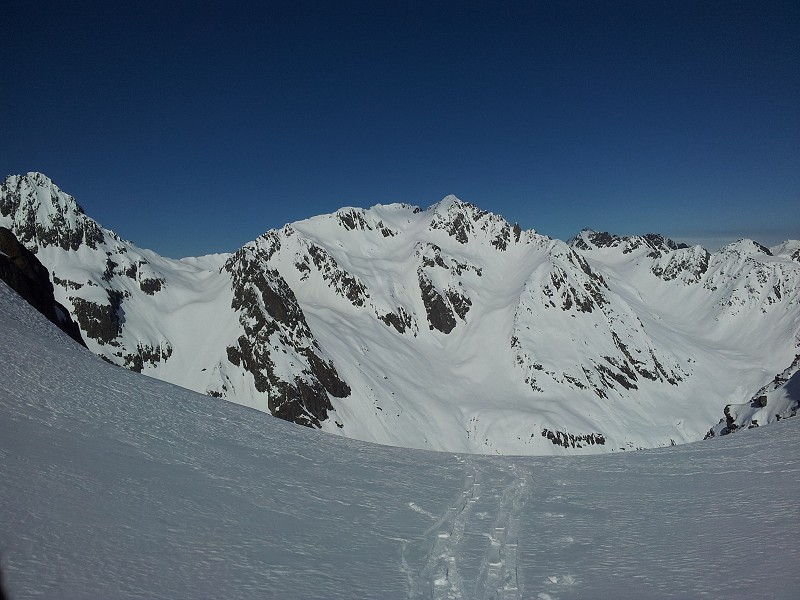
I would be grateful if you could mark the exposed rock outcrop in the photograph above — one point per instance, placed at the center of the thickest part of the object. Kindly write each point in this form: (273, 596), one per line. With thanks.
(273, 323)
(567, 440)
(24, 274)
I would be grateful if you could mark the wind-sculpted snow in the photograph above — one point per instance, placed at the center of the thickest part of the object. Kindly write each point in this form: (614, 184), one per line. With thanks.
(114, 486)
(447, 328)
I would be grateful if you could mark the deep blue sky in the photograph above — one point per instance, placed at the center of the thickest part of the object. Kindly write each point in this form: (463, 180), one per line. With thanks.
(193, 127)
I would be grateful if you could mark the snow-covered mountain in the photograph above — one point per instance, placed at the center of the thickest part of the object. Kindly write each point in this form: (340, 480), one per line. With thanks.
(447, 328)
(115, 486)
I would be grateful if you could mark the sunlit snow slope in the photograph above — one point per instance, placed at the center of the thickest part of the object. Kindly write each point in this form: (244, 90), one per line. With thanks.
(117, 486)
(447, 328)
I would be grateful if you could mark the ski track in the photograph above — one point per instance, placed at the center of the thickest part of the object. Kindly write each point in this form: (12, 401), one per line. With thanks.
(448, 540)
(499, 577)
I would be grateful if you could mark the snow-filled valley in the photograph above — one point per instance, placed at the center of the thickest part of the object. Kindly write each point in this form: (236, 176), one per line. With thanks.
(114, 485)
(447, 328)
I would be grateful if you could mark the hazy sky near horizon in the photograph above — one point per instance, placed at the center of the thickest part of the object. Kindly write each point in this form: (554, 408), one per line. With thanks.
(194, 127)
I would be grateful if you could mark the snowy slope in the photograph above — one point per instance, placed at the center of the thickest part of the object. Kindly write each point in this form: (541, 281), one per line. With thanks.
(779, 399)
(116, 486)
(447, 328)
(171, 319)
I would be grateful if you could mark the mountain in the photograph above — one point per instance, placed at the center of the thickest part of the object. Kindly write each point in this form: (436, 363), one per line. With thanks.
(117, 486)
(447, 328)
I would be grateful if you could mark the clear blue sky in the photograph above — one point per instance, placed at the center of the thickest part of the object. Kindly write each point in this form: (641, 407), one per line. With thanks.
(193, 127)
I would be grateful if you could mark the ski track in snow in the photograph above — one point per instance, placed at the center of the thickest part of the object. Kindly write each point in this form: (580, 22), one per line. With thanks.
(440, 577)
(499, 577)
(489, 517)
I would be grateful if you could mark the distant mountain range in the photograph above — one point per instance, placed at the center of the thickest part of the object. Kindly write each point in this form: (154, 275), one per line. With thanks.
(447, 328)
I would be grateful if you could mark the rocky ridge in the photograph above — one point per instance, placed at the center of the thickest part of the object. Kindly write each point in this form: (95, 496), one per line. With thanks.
(444, 328)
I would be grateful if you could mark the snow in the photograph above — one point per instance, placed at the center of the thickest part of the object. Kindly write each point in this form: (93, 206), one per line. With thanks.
(519, 362)
(118, 486)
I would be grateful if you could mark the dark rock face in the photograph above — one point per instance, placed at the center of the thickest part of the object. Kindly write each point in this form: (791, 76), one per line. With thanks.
(458, 220)
(687, 263)
(345, 284)
(585, 297)
(354, 219)
(729, 420)
(622, 374)
(568, 294)
(147, 354)
(657, 243)
(151, 286)
(440, 316)
(401, 320)
(101, 322)
(459, 229)
(763, 248)
(567, 440)
(460, 303)
(273, 323)
(501, 239)
(23, 273)
(441, 307)
(601, 239)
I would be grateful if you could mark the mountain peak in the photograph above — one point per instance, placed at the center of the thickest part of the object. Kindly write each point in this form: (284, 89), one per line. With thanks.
(746, 246)
(789, 249)
(453, 203)
(451, 199)
(656, 243)
(461, 220)
(42, 215)
(44, 191)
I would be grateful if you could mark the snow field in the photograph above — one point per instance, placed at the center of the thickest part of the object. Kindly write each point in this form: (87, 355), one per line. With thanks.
(118, 486)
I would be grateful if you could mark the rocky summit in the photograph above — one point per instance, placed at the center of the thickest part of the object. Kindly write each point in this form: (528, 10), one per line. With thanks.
(444, 328)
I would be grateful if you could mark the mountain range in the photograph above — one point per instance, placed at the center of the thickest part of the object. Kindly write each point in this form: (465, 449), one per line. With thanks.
(445, 328)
